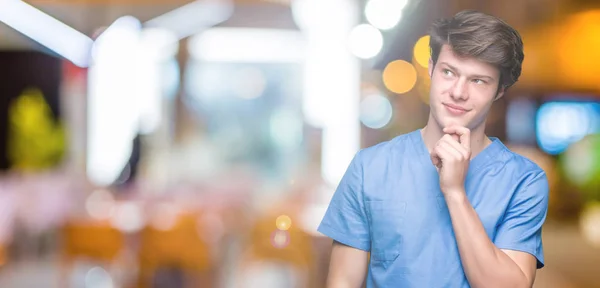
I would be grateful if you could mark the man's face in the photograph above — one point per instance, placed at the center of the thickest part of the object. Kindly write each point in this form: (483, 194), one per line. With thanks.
(462, 89)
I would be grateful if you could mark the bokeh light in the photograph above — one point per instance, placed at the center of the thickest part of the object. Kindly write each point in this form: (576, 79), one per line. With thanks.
(375, 111)
(283, 222)
(578, 37)
(581, 165)
(421, 51)
(165, 216)
(100, 205)
(97, 277)
(365, 41)
(128, 217)
(561, 123)
(280, 239)
(399, 76)
(590, 223)
(384, 14)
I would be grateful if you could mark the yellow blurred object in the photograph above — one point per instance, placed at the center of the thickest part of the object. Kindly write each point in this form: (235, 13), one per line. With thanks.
(422, 52)
(292, 246)
(35, 142)
(589, 223)
(563, 55)
(95, 240)
(399, 76)
(179, 246)
(283, 222)
(577, 50)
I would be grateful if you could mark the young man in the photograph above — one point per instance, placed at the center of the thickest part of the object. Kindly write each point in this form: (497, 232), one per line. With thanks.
(445, 206)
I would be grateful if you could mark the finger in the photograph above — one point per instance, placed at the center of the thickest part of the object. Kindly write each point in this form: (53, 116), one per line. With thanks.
(449, 153)
(466, 154)
(435, 159)
(454, 137)
(463, 133)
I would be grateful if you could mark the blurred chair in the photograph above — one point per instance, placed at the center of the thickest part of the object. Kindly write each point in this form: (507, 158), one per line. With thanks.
(177, 248)
(89, 240)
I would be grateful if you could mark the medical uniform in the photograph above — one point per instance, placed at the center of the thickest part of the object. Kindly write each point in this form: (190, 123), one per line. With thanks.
(389, 203)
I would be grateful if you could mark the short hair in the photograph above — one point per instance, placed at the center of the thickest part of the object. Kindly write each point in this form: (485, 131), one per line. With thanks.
(485, 37)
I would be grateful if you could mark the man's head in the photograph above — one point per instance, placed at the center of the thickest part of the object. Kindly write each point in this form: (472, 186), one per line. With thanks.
(475, 57)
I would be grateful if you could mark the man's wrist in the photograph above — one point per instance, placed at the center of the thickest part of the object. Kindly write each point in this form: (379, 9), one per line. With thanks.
(455, 195)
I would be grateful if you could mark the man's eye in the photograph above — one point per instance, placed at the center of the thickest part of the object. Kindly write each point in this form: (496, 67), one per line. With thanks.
(447, 72)
(478, 81)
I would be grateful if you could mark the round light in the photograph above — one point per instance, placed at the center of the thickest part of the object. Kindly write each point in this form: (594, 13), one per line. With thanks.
(421, 51)
(100, 205)
(590, 223)
(384, 14)
(365, 41)
(98, 277)
(128, 217)
(283, 222)
(581, 165)
(560, 124)
(375, 111)
(399, 76)
(164, 217)
(280, 239)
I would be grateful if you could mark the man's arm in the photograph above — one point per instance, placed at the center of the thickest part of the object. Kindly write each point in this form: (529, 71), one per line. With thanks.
(347, 267)
(346, 222)
(485, 265)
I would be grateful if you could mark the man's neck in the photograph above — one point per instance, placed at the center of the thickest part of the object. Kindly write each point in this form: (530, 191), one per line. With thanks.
(432, 133)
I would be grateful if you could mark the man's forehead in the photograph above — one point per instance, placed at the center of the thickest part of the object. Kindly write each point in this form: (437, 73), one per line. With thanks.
(468, 65)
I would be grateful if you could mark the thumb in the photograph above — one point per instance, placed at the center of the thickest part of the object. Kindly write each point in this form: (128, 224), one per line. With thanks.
(437, 162)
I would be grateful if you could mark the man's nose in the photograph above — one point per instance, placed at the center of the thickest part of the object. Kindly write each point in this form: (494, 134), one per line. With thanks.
(459, 90)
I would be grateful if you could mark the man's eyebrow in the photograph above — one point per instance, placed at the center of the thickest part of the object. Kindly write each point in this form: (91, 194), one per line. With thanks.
(483, 76)
(449, 66)
(472, 76)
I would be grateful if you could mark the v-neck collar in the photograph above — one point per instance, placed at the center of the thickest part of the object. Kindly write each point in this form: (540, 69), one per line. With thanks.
(481, 159)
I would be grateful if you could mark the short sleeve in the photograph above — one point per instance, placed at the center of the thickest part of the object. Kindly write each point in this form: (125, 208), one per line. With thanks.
(521, 228)
(345, 220)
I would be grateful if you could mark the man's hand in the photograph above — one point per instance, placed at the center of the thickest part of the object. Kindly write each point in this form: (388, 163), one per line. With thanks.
(451, 155)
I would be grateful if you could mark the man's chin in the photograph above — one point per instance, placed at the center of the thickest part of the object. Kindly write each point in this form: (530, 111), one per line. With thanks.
(450, 121)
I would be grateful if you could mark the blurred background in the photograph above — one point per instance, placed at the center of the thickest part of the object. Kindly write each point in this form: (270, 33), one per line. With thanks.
(178, 143)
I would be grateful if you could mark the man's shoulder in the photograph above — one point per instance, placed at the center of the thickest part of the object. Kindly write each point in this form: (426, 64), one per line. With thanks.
(517, 161)
(385, 148)
(526, 170)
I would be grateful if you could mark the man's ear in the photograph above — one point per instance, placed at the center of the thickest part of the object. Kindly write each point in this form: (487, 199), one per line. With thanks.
(430, 67)
(500, 92)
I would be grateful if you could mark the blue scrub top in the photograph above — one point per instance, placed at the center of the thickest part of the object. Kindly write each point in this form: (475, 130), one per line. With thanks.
(389, 203)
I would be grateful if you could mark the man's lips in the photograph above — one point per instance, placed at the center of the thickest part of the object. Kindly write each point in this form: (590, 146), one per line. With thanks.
(455, 109)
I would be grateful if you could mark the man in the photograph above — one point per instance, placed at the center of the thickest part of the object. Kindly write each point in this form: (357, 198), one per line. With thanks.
(445, 206)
